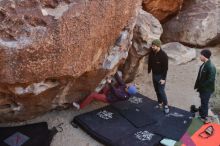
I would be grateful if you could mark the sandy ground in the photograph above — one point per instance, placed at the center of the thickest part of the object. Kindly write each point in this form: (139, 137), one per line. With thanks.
(179, 87)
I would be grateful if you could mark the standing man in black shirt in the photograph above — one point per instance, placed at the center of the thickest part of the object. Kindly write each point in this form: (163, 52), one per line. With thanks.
(158, 63)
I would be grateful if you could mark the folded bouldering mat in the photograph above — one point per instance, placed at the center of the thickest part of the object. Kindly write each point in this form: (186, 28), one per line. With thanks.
(199, 134)
(117, 124)
(195, 125)
(28, 135)
(140, 137)
(207, 135)
(136, 116)
(173, 127)
(105, 124)
(141, 112)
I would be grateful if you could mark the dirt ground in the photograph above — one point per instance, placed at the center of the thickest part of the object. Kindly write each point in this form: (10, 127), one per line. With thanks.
(180, 92)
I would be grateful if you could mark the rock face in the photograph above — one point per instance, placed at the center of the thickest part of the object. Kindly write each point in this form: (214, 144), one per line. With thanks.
(197, 24)
(162, 9)
(52, 52)
(178, 53)
(147, 29)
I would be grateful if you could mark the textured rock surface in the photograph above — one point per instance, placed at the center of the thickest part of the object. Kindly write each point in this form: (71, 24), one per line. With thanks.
(197, 24)
(52, 52)
(162, 9)
(147, 29)
(69, 39)
(178, 53)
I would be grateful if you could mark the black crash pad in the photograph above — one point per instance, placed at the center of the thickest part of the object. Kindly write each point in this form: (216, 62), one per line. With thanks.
(105, 124)
(140, 137)
(141, 112)
(174, 125)
(136, 114)
(28, 135)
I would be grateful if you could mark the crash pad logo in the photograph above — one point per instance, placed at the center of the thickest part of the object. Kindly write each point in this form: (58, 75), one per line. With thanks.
(144, 135)
(135, 100)
(175, 114)
(105, 115)
(17, 139)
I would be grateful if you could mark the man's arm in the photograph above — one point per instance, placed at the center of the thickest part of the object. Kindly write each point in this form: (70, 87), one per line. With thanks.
(196, 84)
(119, 80)
(149, 62)
(164, 66)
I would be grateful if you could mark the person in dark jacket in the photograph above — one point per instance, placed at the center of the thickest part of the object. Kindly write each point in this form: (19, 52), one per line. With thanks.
(205, 82)
(110, 94)
(158, 64)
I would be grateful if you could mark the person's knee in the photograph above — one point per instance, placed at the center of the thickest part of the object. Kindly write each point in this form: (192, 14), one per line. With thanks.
(204, 103)
(93, 94)
(162, 93)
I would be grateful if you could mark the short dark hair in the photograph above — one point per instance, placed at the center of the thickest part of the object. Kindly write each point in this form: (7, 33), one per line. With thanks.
(206, 53)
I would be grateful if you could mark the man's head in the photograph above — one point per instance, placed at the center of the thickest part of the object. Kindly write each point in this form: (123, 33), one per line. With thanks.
(156, 45)
(205, 55)
(131, 89)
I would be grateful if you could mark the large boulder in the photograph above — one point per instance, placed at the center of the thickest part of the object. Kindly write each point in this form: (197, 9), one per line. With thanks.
(147, 29)
(197, 24)
(178, 53)
(53, 52)
(162, 9)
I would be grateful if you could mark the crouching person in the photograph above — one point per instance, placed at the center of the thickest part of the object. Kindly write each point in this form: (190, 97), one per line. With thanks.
(110, 94)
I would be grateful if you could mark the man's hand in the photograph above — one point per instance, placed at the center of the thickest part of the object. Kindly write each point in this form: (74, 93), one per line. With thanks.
(109, 80)
(162, 82)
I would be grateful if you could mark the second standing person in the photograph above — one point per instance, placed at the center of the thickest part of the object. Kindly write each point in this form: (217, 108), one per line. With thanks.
(205, 83)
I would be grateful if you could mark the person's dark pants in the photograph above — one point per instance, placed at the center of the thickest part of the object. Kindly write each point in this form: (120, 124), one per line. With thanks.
(203, 110)
(159, 89)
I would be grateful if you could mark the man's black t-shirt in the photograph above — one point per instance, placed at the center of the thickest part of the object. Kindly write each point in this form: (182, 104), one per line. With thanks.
(158, 63)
